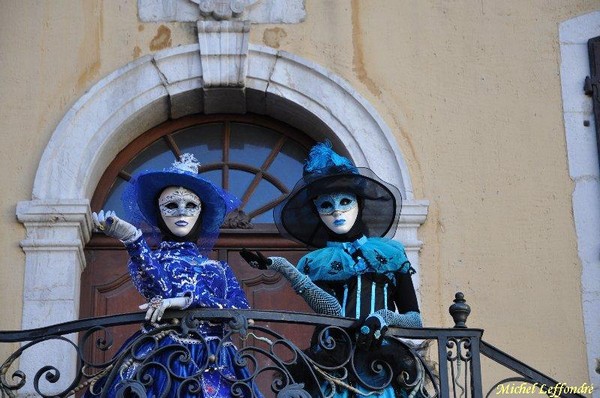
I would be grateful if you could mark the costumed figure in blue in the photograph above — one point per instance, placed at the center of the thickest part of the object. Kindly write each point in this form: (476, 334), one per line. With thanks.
(188, 211)
(346, 213)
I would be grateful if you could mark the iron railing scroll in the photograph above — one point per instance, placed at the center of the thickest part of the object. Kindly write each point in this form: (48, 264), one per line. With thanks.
(428, 362)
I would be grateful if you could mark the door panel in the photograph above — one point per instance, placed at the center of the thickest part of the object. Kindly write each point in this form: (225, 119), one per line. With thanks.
(268, 290)
(106, 289)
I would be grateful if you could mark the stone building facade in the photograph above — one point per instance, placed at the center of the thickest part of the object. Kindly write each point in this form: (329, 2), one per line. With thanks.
(474, 109)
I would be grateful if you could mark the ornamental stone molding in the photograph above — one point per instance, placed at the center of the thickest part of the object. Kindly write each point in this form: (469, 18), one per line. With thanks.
(56, 233)
(169, 85)
(254, 11)
(223, 34)
(223, 9)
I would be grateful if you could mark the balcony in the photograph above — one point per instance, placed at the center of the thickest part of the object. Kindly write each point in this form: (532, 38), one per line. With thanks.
(435, 362)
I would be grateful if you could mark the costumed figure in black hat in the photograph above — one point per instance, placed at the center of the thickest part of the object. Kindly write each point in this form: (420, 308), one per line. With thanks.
(188, 211)
(346, 213)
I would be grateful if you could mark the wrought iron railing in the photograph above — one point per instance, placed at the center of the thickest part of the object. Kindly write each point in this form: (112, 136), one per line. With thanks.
(428, 362)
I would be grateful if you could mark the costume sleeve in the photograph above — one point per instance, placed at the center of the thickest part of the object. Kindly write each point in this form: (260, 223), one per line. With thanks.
(235, 294)
(404, 296)
(146, 272)
(202, 295)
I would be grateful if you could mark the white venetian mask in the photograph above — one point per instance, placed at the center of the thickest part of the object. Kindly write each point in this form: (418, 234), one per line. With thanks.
(180, 209)
(338, 211)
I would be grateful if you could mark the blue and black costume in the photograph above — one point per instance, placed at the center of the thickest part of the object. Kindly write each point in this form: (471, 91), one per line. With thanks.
(366, 276)
(359, 273)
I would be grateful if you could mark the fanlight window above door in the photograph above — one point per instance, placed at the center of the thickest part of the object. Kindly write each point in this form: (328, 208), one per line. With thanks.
(256, 159)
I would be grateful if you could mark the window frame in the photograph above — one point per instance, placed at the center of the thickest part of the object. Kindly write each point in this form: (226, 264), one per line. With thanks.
(166, 129)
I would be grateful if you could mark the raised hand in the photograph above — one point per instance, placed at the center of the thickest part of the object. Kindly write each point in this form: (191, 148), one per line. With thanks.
(113, 226)
(255, 259)
(157, 306)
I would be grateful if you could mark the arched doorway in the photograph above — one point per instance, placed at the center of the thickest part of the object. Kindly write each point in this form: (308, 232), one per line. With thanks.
(146, 93)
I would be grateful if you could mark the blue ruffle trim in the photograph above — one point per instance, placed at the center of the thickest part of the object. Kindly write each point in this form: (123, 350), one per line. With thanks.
(335, 262)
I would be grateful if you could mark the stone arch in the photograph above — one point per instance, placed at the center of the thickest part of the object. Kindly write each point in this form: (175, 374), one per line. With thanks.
(166, 85)
(143, 94)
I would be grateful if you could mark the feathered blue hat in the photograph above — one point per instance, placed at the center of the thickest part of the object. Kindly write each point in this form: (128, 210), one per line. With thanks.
(324, 172)
(140, 198)
(323, 161)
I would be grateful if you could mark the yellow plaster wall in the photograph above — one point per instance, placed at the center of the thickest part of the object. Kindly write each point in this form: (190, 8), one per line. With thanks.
(471, 90)
(472, 93)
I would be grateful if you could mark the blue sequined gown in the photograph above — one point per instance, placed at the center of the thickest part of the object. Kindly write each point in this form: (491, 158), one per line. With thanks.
(178, 269)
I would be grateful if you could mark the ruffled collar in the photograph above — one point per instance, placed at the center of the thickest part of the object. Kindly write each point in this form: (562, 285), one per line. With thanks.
(343, 260)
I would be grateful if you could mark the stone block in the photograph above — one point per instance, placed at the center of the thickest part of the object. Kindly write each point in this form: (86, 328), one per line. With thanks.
(223, 52)
(58, 353)
(224, 100)
(581, 146)
(186, 99)
(580, 29)
(179, 64)
(574, 67)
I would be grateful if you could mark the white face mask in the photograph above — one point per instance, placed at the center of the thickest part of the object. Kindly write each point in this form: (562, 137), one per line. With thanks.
(338, 211)
(179, 209)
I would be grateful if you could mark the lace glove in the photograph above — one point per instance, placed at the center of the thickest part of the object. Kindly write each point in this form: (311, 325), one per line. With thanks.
(113, 226)
(320, 301)
(156, 307)
(375, 326)
(411, 319)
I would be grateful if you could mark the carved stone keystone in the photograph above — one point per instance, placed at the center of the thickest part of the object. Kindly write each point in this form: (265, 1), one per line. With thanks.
(224, 59)
(223, 9)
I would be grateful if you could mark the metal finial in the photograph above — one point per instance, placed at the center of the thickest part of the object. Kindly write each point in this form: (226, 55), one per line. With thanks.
(460, 310)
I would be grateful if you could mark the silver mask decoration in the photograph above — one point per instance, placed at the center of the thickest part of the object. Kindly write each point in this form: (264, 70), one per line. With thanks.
(180, 209)
(338, 211)
(342, 202)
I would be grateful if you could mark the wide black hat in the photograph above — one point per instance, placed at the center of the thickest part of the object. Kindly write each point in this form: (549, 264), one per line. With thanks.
(325, 171)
